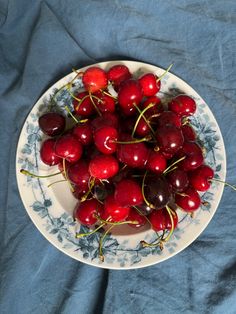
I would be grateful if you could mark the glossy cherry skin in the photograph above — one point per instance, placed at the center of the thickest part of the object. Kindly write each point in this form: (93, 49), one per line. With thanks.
(135, 216)
(94, 79)
(114, 210)
(133, 155)
(105, 139)
(178, 180)
(85, 107)
(157, 108)
(188, 133)
(85, 212)
(169, 118)
(108, 118)
(78, 173)
(105, 103)
(103, 167)
(149, 84)
(128, 193)
(144, 209)
(67, 146)
(169, 138)
(200, 178)
(142, 128)
(47, 153)
(160, 219)
(157, 191)
(52, 123)
(193, 156)
(117, 74)
(189, 201)
(183, 105)
(79, 191)
(83, 132)
(156, 162)
(130, 93)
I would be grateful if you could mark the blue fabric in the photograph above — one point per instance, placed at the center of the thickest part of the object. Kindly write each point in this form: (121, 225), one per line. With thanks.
(40, 41)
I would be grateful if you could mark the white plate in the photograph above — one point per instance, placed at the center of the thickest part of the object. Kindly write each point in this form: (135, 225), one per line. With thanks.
(51, 208)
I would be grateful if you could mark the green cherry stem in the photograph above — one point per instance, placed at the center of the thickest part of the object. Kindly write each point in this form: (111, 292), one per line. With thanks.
(80, 235)
(145, 139)
(90, 185)
(166, 71)
(51, 184)
(145, 119)
(225, 183)
(95, 106)
(174, 163)
(108, 94)
(144, 197)
(172, 224)
(72, 116)
(101, 256)
(140, 116)
(33, 175)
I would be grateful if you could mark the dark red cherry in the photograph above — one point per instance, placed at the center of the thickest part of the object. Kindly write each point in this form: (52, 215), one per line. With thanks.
(115, 210)
(160, 219)
(200, 178)
(47, 153)
(94, 79)
(103, 166)
(108, 118)
(85, 212)
(178, 180)
(193, 156)
(144, 209)
(157, 191)
(188, 133)
(183, 105)
(52, 123)
(67, 146)
(130, 93)
(157, 108)
(83, 132)
(105, 139)
(105, 103)
(149, 84)
(117, 74)
(84, 107)
(156, 162)
(135, 216)
(169, 138)
(128, 193)
(169, 118)
(78, 173)
(189, 201)
(79, 191)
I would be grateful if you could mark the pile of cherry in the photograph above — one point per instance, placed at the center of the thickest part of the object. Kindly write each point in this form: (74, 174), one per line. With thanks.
(128, 159)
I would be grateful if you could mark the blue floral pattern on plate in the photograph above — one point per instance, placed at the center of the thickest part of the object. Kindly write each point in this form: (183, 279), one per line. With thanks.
(122, 251)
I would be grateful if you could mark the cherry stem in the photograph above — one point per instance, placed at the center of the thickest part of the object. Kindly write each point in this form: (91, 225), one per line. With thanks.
(144, 197)
(172, 169)
(108, 94)
(90, 185)
(145, 139)
(225, 183)
(51, 184)
(166, 71)
(80, 235)
(172, 223)
(95, 106)
(65, 173)
(101, 256)
(155, 244)
(145, 119)
(33, 175)
(174, 163)
(77, 73)
(141, 114)
(115, 223)
(70, 113)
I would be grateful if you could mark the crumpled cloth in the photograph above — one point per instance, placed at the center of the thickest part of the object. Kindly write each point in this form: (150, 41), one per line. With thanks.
(40, 42)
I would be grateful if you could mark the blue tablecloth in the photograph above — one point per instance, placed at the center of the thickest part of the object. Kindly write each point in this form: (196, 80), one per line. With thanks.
(40, 41)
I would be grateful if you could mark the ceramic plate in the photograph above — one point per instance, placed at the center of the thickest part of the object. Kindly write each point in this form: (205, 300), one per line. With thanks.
(51, 208)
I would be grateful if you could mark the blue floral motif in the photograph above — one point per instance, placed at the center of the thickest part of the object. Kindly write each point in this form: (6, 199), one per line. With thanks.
(116, 251)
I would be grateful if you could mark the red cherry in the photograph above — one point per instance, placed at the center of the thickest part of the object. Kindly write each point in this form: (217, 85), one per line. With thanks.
(193, 156)
(85, 212)
(168, 220)
(157, 108)
(169, 138)
(200, 178)
(130, 93)
(142, 128)
(114, 210)
(128, 193)
(83, 108)
(105, 139)
(83, 132)
(78, 173)
(178, 180)
(189, 201)
(135, 216)
(47, 153)
(169, 118)
(149, 84)
(117, 74)
(103, 166)
(156, 162)
(183, 105)
(79, 191)
(160, 219)
(106, 103)
(52, 123)
(94, 79)
(108, 118)
(67, 146)
(188, 133)
(133, 155)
